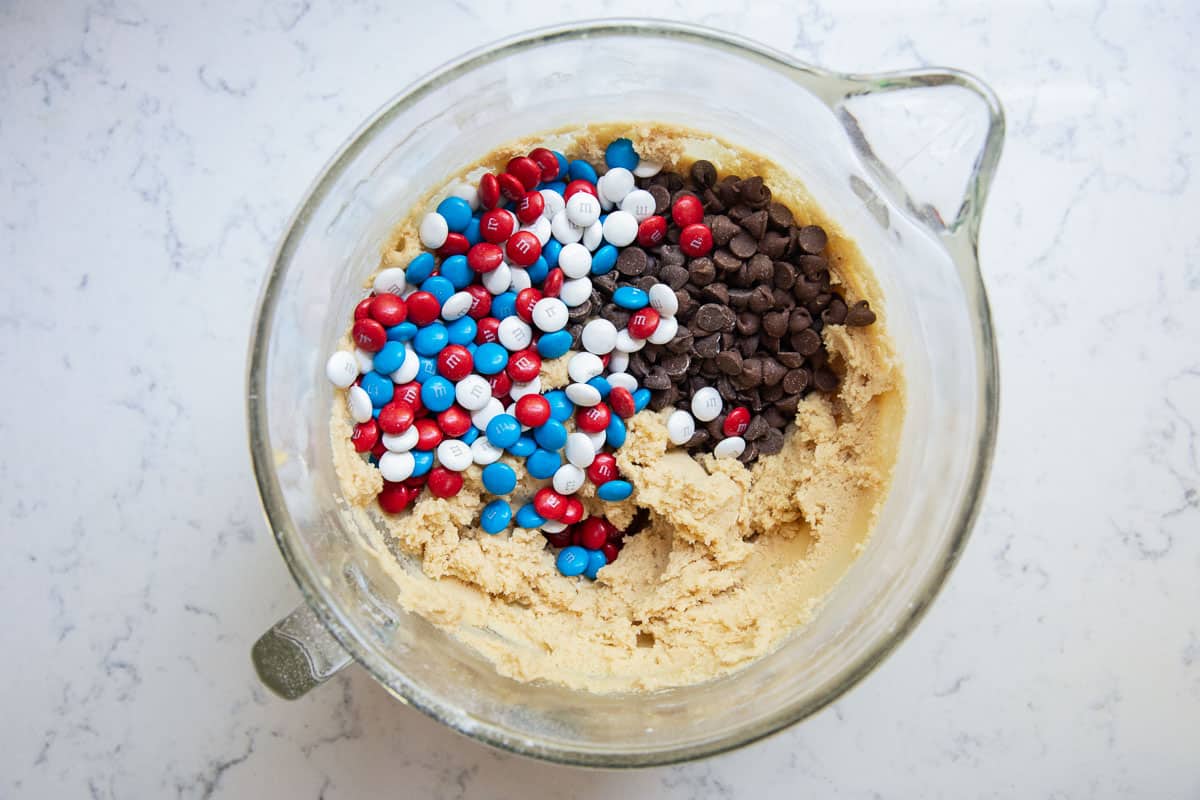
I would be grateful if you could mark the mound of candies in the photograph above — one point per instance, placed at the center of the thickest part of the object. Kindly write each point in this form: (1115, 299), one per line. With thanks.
(449, 348)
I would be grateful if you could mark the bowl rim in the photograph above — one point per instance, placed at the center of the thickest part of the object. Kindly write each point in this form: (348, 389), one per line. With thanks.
(963, 249)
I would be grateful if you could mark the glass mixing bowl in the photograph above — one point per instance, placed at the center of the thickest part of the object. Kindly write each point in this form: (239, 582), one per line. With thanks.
(902, 161)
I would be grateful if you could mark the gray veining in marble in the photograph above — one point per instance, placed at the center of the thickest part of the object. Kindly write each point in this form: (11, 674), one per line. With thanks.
(150, 155)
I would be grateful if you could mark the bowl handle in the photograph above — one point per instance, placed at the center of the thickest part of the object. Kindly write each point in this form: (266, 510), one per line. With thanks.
(297, 654)
(930, 138)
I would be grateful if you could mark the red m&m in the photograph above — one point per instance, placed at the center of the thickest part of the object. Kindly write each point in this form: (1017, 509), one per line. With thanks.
(495, 226)
(696, 240)
(524, 365)
(455, 362)
(549, 503)
(388, 310)
(369, 335)
(603, 469)
(533, 410)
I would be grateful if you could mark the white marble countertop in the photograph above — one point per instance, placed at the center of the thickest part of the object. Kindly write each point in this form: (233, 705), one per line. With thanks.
(150, 155)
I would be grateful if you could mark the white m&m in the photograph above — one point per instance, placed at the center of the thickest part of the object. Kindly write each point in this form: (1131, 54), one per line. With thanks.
(341, 369)
(707, 404)
(681, 426)
(549, 314)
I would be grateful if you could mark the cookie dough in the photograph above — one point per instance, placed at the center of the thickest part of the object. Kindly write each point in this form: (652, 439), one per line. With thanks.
(733, 560)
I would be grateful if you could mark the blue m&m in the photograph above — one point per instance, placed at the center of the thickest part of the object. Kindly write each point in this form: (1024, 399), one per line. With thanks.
(614, 491)
(630, 297)
(496, 516)
(572, 560)
(499, 478)
(503, 430)
(457, 213)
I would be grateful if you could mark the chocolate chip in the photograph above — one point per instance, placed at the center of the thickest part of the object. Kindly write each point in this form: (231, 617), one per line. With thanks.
(749, 454)
(701, 271)
(752, 373)
(755, 224)
(783, 300)
(663, 399)
(726, 261)
(670, 254)
(712, 202)
(783, 274)
(714, 427)
(729, 191)
(825, 379)
(656, 379)
(747, 323)
(605, 283)
(757, 428)
(762, 299)
(662, 198)
(739, 299)
(780, 216)
(806, 289)
(806, 341)
(835, 314)
(708, 346)
(775, 323)
(788, 404)
(672, 275)
(615, 314)
(748, 345)
(812, 239)
(769, 343)
(771, 443)
(812, 266)
(729, 362)
(796, 381)
(637, 365)
(580, 312)
(754, 192)
(773, 245)
(772, 372)
(724, 229)
(772, 393)
(773, 418)
(743, 245)
(686, 304)
(704, 173)
(632, 261)
(761, 269)
(683, 341)
(790, 358)
(676, 365)
(740, 212)
(860, 314)
(740, 277)
(819, 358)
(799, 319)
(696, 384)
(699, 439)
(820, 302)
(703, 366)
(715, 293)
(675, 181)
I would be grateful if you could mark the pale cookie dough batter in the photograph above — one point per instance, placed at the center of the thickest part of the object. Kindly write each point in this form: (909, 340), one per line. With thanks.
(733, 560)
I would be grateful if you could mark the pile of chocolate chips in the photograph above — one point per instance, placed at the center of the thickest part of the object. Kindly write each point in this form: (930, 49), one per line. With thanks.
(751, 313)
